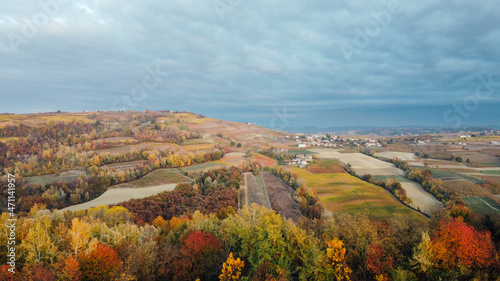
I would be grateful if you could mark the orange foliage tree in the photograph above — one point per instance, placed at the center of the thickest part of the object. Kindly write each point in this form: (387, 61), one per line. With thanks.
(458, 246)
(102, 263)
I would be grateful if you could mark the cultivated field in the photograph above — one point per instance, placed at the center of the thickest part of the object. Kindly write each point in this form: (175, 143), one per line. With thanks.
(123, 165)
(117, 195)
(155, 178)
(254, 191)
(421, 199)
(263, 160)
(280, 196)
(232, 158)
(341, 192)
(364, 164)
(466, 188)
(201, 167)
(482, 205)
(405, 156)
(361, 164)
(65, 177)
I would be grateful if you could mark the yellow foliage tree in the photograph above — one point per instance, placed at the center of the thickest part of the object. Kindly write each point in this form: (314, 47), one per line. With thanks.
(336, 257)
(38, 244)
(80, 235)
(231, 269)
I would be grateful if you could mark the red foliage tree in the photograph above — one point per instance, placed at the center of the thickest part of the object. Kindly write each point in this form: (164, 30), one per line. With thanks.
(102, 263)
(199, 257)
(68, 269)
(37, 272)
(6, 275)
(377, 262)
(458, 246)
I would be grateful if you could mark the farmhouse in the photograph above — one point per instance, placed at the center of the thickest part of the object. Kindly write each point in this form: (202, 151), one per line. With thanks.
(495, 142)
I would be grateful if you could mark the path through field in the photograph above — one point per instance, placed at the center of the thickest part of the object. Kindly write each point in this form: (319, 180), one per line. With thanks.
(118, 195)
(489, 205)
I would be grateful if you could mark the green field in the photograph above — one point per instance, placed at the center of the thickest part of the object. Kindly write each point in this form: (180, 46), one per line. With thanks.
(480, 205)
(490, 172)
(440, 174)
(397, 178)
(201, 167)
(307, 152)
(157, 177)
(341, 192)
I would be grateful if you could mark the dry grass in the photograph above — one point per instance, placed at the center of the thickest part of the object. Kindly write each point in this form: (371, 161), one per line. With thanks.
(6, 139)
(201, 146)
(263, 160)
(326, 167)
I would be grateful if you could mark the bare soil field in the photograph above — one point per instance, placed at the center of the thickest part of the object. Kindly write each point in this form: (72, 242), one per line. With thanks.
(405, 156)
(422, 199)
(251, 136)
(118, 195)
(280, 195)
(362, 164)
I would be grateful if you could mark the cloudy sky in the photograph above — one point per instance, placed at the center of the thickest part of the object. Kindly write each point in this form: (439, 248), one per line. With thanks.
(277, 63)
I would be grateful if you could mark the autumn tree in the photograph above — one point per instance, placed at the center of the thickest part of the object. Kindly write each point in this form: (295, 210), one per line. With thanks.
(38, 244)
(336, 258)
(378, 263)
(80, 235)
(457, 246)
(67, 269)
(102, 263)
(231, 269)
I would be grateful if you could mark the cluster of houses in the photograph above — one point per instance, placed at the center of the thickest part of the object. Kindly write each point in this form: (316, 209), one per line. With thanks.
(300, 160)
(333, 141)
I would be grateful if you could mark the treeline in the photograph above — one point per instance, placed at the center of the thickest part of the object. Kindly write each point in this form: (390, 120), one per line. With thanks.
(308, 200)
(278, 155)
(392, 185)
(213, 191)
(254, 243)
(428, 182)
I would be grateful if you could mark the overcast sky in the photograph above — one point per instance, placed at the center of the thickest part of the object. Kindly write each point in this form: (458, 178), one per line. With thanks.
(277, 63)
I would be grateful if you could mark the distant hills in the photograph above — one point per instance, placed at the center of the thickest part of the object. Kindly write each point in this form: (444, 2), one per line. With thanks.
(386, 131)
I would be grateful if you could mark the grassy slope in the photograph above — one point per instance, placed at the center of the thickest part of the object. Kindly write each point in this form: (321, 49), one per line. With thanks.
(478, 206)
(157, 177)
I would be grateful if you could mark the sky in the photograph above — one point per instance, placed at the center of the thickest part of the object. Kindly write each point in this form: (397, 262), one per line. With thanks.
(276, 63)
